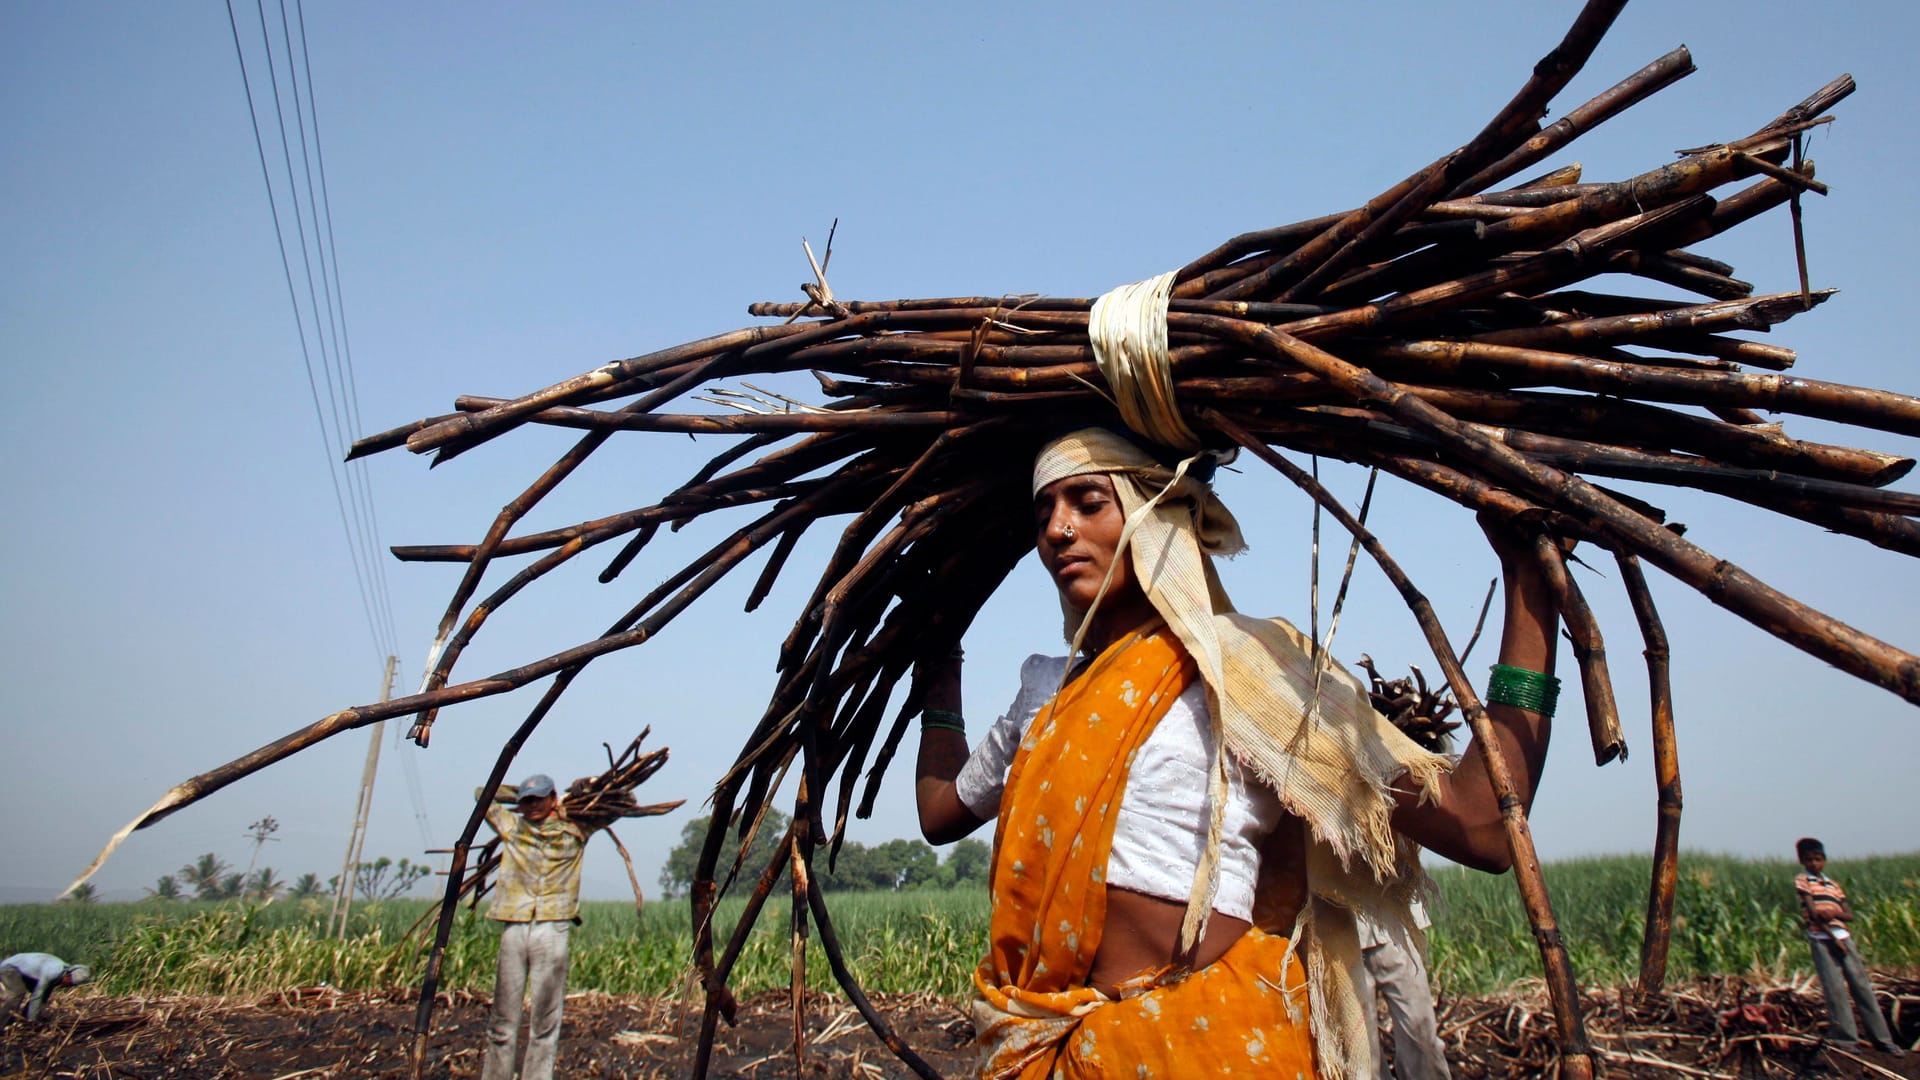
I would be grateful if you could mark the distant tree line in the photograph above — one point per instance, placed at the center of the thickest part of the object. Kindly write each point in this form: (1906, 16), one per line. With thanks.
(891, 866)
(209, 877)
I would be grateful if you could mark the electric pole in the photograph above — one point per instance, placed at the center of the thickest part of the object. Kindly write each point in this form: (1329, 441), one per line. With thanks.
(261, 831)
(343, 891)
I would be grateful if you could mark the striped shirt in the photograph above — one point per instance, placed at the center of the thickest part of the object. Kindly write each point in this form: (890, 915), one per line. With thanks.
(539, 878)
(1819, 889)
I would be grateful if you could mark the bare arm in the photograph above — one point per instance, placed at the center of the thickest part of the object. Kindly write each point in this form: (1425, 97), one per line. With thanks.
(42, 992)
(1465, 824)
(943, 817)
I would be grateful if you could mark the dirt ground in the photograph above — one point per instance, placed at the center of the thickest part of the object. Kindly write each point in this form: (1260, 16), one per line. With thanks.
(1720, 1028)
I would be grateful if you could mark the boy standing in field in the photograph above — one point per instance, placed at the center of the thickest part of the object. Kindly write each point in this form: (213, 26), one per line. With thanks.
(1824, 906)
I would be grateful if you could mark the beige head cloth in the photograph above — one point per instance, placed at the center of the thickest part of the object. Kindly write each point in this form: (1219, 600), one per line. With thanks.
(1329, 756)
(1100, 450)
(1128, 331)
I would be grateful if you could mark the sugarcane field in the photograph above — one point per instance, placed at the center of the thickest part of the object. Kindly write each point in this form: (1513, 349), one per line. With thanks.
(605, 672)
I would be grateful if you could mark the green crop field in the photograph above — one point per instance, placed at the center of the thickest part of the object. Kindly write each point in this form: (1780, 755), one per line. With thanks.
(1733, 916)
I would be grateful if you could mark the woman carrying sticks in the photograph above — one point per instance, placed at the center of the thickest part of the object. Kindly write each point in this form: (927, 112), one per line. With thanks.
(1189, 813)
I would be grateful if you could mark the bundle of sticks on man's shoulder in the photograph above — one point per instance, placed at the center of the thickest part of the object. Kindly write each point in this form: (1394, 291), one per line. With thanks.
(592, 802)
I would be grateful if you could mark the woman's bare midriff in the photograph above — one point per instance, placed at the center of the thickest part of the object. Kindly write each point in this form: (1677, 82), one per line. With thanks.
(1143, 934)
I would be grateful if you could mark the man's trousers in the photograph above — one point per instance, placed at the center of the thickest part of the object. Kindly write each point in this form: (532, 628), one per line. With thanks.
(1402, 979)
(533, 964)
(1841, 971)
(13, 993)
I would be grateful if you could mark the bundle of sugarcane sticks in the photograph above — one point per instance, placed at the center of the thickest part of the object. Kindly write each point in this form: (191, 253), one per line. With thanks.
(592, 802)
(1438, 333)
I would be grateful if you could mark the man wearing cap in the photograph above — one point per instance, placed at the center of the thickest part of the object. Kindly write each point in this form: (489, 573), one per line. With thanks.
(31, 978)
(536, 894)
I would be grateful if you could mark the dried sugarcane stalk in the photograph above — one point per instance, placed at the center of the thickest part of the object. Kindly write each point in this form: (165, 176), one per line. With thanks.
(477, 565)
(1635, 88)
(1666, 776)
(718, 1001)
(633, 879)
(799, 867)
(1603, 718)
(836, 959)
(1727, 585)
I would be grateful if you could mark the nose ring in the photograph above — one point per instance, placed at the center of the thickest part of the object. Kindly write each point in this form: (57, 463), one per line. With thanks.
(1068, 532)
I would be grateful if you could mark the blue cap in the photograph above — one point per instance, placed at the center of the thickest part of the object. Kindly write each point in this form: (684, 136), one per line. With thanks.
(537, 786)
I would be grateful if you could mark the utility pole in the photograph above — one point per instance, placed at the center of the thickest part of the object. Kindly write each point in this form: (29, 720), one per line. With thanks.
(343, 891)
(261, 831)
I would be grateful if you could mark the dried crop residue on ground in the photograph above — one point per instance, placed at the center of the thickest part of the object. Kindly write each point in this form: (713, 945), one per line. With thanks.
(1717, 1028)
(322, 1033)
(1721, 1027)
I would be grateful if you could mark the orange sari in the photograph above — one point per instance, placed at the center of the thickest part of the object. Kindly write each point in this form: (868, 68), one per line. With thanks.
(1037, 1019)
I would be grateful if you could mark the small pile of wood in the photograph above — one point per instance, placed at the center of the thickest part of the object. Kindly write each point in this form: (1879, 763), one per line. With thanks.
(596, 802)
(1418, 710)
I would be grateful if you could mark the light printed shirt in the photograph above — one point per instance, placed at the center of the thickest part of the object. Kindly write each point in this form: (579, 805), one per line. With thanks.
(539, 877)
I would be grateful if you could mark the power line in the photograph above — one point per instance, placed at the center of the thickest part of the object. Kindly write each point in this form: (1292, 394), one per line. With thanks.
(340, 395)
(374, 569)
(339, 300)
(331, 336)
(286, 266)
(360, 521)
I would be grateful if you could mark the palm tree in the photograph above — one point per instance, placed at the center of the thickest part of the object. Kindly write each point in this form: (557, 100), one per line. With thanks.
(82, 894)
(167, 888)
(263, 885)
(231, 887)
(203, 876)
(305, 887)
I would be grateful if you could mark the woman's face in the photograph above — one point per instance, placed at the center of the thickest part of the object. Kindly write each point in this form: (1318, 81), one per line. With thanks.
(1079, 522)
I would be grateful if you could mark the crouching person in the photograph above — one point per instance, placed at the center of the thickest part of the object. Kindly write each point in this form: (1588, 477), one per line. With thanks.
(28, 980)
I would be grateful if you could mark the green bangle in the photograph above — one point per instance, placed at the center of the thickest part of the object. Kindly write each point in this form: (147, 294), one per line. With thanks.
(942, 719)
(1531, 690)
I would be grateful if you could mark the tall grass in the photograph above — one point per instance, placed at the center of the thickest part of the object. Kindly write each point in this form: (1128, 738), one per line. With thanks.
(893, 941)
(1734, 916)
(1731, 917)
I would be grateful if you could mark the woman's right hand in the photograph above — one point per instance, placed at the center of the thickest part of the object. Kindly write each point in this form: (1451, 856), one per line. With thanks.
(1466, 824)
(1515, 546)
(943, 751)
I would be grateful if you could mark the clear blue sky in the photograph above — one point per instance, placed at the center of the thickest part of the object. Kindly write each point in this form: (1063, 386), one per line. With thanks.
(520, 193)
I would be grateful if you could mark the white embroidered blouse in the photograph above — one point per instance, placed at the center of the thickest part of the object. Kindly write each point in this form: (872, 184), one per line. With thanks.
(1162, 825)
